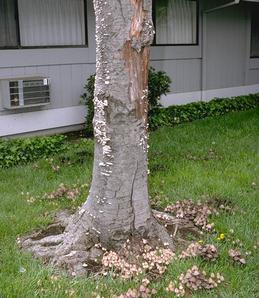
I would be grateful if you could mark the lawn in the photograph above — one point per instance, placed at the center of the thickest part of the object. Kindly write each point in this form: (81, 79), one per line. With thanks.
(211, 159)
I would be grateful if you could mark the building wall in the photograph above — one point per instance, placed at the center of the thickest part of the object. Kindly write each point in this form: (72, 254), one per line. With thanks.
(220, 65)
(225, 48)
(68, 69)
(228, 69)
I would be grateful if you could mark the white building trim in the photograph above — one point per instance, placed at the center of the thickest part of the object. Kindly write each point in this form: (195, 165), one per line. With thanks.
(206, 95)
(230, 92)
(180, 98)
(41, 120)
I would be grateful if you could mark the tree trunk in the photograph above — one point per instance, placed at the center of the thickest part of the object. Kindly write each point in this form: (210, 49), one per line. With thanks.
(118, 205)
(119, 196)
(118, 201)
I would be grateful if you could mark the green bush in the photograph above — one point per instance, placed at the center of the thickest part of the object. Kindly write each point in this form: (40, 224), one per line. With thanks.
(21, 151)
(197, 110)
(158, 84)
(78, 152)
(88, 97)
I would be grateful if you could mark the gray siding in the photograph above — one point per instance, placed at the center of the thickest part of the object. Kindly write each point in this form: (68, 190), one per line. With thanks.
(184, 73)
(226, 47)
(220, 60)
(68, 68)
(253, 76)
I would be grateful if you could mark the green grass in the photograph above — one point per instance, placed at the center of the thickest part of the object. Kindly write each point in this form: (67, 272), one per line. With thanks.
(182, 166)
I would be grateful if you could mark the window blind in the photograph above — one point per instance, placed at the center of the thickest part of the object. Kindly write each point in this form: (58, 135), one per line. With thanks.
(8, 25)
(255, 32)
(176, 22)
(51, 22)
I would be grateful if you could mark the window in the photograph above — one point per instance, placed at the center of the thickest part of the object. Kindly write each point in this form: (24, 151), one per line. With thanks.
(42, 23)
(176, 22)
(255, 32)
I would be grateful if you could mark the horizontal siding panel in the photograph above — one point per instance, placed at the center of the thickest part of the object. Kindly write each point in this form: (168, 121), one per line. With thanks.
(34, 57)
(175, 52)
(185, 74)
(253, 63)
(253, 77)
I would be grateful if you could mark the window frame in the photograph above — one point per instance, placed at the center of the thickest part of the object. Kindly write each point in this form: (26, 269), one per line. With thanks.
(252, 13)
(19, 46)
(178, 44)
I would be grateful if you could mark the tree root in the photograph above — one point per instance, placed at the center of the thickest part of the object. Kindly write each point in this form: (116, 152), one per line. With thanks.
(68, 245)
(178, 228)
(178, 224)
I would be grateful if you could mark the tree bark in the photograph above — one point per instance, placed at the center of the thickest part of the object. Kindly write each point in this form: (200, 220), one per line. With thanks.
(118, 200)
(117, 206)
(119, 196)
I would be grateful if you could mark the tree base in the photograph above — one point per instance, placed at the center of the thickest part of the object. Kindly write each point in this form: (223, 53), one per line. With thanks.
(68, 245)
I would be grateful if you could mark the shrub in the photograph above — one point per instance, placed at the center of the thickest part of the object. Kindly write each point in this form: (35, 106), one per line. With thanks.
(158, 82)
(197, 110)
(78, 152)
(21, 151)
(88, 97)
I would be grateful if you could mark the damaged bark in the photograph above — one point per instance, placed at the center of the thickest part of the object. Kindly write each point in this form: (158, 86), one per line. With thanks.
(117, 206)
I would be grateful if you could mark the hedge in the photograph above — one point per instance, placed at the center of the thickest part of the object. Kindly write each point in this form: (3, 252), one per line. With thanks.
(21, 151)
(198, 110)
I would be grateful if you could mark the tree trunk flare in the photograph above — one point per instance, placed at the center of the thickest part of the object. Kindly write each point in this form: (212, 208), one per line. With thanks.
(117, 206)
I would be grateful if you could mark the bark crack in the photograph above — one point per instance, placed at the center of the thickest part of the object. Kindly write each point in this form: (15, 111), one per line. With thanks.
(121, 9)
(131, 196)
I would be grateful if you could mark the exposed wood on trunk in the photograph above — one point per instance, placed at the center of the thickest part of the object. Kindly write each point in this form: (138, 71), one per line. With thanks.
(137, 60)
(137, 64)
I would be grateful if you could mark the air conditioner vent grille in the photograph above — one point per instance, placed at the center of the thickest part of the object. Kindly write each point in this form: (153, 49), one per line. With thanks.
(28, 92)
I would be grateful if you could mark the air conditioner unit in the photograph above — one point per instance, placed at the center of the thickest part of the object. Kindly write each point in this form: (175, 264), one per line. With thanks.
(25, 92)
